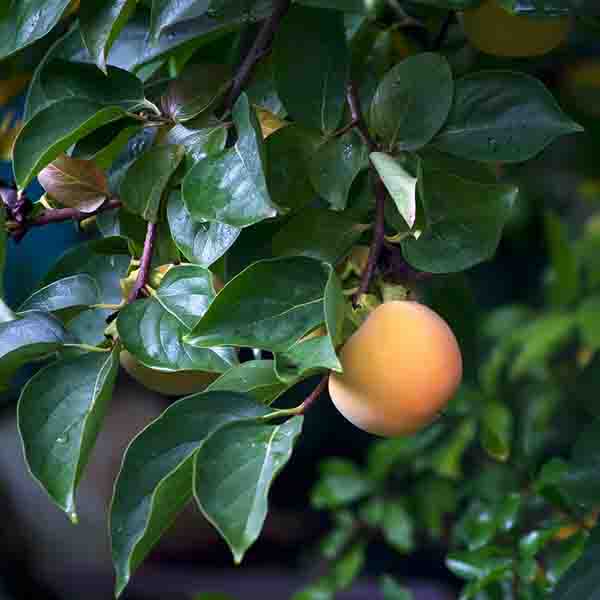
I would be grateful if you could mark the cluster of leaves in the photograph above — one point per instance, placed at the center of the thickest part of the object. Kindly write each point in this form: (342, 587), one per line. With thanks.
(135, 121)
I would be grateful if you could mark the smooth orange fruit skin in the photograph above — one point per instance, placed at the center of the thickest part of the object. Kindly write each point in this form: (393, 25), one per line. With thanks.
(495, 31)
(400, 369)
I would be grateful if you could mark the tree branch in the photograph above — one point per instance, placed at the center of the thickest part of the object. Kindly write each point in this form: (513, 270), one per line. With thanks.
(261, 46)
(145, 262)
(357, 116)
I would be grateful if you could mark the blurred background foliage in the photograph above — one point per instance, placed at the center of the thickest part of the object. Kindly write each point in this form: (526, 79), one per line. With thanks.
(497, 478)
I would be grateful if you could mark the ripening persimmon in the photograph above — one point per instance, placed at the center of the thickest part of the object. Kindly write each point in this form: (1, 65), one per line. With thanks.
(180, 383)
(401, 367)
(494, 30)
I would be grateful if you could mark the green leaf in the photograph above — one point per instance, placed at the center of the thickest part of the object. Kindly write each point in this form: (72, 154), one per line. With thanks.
(392, 590)
(198, 143)
(3, 243)
(27, 338)
(60, 413)
(348, 567)
(24, 22)
(254, 453)
(73, 292)
(195, 91)
(565, 283)
(340, 483)
(53, 130)
(155, 481)
(254, 377)
(186, 291)
(289, 151)
(305, 358)
(464, 222)
(398, 527)
(447, 458)
(147, 179)
(496, 433)
(588, 321)
(201, 243)
(169, 12)
(401, 185)
(100, 24)
(318, 233)
(156, 338)
(355, 6)
(413, 101)
(313, 89)
(56, 80)
(230, 187)
(485, 565)
(582, 580)
(335, 165)
(539, 8)
(269, 305)
(502, 116)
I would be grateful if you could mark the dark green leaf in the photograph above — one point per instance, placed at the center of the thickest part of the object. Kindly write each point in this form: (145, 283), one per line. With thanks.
(355, 6)
(312, 89)
(413, 101)
(231, 187)
(398, 527)
(53, 130)
(201, 243)
(155, 337)
(335, 165)
(60, 413)
(464, 222)
(255, 453)
(348, 567)
(27, 338)
(588, 321)
(318, 233)
(401, 185)
(393, 590)
(22, 23)
(502, 116)
(539, 8)
(486, 564)
(100, 24)
(147, 178)
(73, 292)
(155, 481)
(340, 483)
(496, 433)
(307, 357)
(254, 377)
(168, 12)
(186, 291)
(565, 282)
(269, 305)
(447, 457)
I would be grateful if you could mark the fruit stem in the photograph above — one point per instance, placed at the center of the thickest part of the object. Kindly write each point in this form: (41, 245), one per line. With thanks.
(145, 262)
(301, 408)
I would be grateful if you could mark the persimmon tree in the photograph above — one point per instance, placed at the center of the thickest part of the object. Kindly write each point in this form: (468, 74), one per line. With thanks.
(263, 174)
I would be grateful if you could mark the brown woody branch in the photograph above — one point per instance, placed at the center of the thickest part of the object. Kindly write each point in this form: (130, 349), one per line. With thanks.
(145, 262)
(313, 396)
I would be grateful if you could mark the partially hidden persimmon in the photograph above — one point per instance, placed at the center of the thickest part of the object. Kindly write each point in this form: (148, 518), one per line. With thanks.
(401, 367)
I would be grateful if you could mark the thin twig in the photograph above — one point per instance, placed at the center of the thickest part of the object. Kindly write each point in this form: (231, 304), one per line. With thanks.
(357, 116)
(436, 44)
(313, 396)
(145, 262)
(261, 46)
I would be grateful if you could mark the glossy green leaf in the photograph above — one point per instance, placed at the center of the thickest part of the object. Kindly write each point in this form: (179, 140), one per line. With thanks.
(502, 116)
(565, 283)
(341, 483)
(269, 305)
(195, 91)
(53, 130)
(60, 413)
(186, 291)
(147, 178)
(496, 433)
(201, 243)
(155, 481)
(230, 187)
(100, 23)
(56, 80)
(392, 590)
(413, 101)
(318, 233)
(313, 89)
(156, 338)
(168, 12)
(256, 453)
(198, 143)
(399, 183)
(24, 22)
(73, 292)
(307, 357)
(289, 151)
(464, 222)
(28, 338)
(254, 377)
(398, 527)
(486, 564)
(335, 165)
